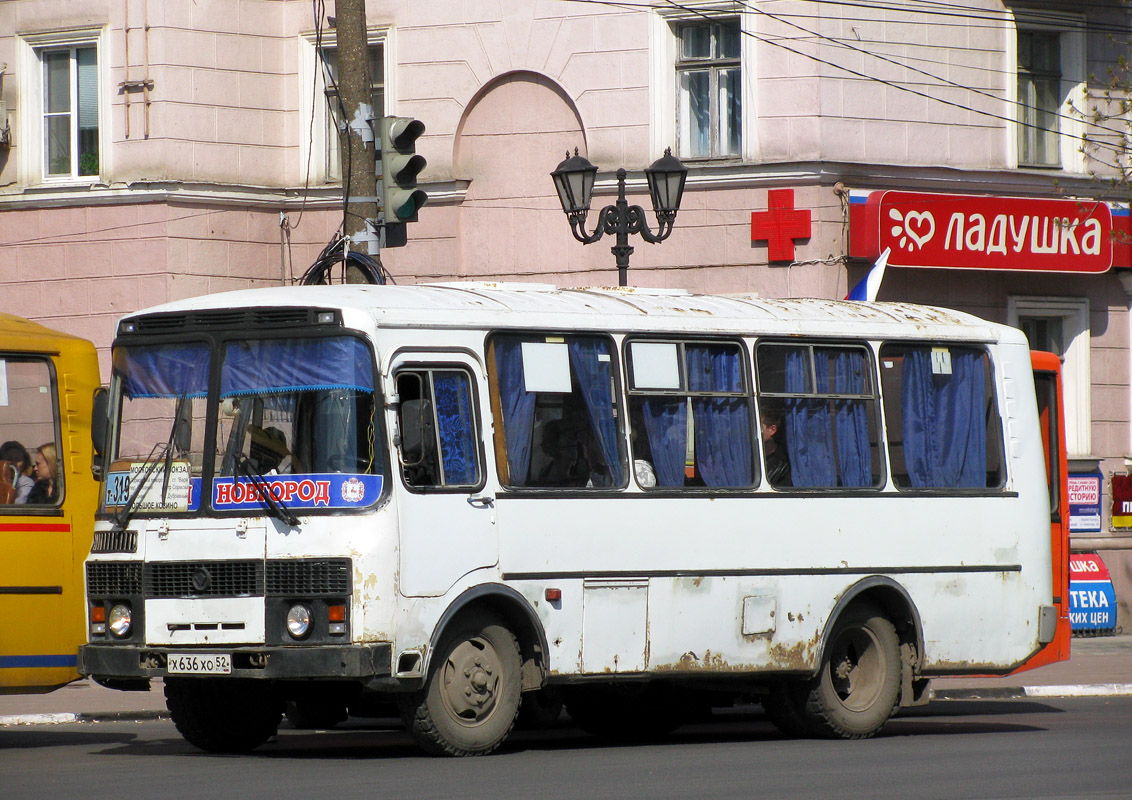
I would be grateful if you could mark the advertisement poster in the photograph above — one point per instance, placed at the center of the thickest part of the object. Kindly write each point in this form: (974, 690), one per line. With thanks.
(1085, 503)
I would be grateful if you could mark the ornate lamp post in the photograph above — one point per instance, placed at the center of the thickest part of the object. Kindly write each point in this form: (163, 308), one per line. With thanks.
(574, 180)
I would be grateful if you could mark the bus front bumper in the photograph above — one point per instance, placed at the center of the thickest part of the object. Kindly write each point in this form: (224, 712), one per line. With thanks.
(351, 662)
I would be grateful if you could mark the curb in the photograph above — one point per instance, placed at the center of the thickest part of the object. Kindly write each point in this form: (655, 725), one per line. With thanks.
(1015, 692)
(68, 717)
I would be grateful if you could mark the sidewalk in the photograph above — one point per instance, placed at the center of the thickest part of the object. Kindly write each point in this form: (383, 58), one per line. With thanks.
(1098, 667)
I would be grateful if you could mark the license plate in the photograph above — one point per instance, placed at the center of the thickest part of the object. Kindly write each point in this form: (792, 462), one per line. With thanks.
(199, 664)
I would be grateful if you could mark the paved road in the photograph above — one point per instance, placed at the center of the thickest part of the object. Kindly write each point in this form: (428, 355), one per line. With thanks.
(1009, 749)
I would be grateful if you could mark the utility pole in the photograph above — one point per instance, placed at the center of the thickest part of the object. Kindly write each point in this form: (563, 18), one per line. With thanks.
(359, 178)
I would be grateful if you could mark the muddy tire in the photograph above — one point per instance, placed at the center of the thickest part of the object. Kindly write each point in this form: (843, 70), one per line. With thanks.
(785, 705)
(223, 716)
(472, 695)
(309, 715)
(858, 687)
(625, 713)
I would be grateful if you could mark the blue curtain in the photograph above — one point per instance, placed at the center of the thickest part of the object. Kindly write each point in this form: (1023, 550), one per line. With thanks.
(169, 370)
(809, 430)
(455, 427)
(596, 385)
(274, 366)
(944, 427)
(854, 458)
(666, 425)
(722, 424)
(518, 406)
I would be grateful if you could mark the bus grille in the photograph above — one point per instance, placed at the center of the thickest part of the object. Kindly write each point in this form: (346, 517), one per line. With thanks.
(115, 542)
(204, 579)
(113, 578)
(308, 577)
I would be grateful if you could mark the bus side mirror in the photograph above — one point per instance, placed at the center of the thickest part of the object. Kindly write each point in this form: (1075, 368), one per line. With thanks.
(99, 425)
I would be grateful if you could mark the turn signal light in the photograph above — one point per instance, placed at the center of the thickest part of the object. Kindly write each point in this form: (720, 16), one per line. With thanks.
(553, 595)
(336, 613)
(98, 613)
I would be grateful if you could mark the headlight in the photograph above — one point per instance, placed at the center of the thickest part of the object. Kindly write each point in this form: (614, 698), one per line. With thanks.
(299, 621)
(120, 620)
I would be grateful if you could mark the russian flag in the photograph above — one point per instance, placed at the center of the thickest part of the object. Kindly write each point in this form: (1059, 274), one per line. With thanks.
(867, 288)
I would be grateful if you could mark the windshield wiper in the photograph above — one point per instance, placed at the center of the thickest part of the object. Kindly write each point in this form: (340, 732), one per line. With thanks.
(276, 507)
(156, 456)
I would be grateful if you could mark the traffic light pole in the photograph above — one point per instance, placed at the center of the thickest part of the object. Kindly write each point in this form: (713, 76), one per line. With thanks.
(359, 182)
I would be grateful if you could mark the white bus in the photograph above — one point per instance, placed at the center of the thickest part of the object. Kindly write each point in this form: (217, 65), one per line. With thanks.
(643, 502)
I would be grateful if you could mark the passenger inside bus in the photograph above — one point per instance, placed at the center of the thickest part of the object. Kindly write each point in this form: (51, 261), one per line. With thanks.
(15, 469)
(46, 489)
(572, 456)
(774, 445)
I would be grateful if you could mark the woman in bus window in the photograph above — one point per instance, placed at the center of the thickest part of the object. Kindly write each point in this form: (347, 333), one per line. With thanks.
(46, 489)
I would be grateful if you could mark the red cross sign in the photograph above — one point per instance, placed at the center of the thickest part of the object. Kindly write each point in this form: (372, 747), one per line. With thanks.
(780, 225)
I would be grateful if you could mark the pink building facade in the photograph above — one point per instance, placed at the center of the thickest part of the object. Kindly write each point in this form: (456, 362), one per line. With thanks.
(154, 150)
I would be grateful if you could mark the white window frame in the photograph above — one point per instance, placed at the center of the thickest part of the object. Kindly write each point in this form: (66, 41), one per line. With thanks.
(30, 47)
(1071, 28)
(664, 49)
(312, 100)
(1075, 369)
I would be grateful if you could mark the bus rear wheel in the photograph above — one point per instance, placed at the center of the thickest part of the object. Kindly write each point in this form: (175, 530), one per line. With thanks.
(858, 687)
(223, 716)
(472, 696)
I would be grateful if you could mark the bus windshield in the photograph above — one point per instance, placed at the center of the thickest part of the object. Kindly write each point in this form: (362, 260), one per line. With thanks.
(283, 406)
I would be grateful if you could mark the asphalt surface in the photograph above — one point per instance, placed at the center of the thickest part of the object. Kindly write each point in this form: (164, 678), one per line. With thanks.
(1098, 667)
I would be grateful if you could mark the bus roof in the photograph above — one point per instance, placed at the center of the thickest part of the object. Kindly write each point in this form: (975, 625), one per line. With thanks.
(17, 333)
(517, 305)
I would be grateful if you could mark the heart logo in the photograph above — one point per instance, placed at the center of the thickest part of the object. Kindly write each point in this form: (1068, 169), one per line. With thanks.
(915, 229)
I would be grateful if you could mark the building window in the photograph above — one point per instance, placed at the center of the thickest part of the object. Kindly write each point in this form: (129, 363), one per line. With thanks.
(1039, 98)
(1061, 326)
(333, 105)
(1050, 91)
(70, 111)
(709, 109)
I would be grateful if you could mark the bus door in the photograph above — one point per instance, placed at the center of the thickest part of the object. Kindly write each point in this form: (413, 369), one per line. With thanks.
(446, 510)
(42, 541)
(1048, 387)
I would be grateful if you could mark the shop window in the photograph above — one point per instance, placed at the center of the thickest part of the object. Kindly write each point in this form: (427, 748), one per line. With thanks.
(690, 414)
(556, 397)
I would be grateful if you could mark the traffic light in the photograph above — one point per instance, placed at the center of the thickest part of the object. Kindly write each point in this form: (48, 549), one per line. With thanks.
(400, 166)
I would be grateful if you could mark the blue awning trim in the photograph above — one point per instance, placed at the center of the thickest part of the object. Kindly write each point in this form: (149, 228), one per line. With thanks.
(170, 370)
(275, 366)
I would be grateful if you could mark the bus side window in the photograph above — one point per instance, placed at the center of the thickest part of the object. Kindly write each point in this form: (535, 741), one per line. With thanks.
(827, 399)
(438, 429)
(27, 434)
(943, 423)
(556, 397)
(690, 414)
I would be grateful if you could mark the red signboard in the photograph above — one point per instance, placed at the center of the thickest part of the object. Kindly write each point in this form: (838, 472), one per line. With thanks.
(780, 225)
(1122, 501)
(975, 232)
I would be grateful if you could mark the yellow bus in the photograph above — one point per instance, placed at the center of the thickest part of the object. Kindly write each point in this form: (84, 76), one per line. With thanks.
(48, 495)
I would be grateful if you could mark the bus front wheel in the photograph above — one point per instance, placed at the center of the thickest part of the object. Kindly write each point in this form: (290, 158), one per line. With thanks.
(223, 716)
(858, 687)
(472, 695)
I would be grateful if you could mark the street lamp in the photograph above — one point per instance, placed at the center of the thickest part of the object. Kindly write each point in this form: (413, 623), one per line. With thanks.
(574, 180)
